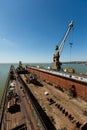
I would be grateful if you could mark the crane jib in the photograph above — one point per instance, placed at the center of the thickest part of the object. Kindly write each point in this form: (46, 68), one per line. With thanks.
(65, 37)
(58, 49)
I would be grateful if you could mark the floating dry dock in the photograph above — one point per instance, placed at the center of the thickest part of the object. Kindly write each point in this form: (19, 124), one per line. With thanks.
(35, 99)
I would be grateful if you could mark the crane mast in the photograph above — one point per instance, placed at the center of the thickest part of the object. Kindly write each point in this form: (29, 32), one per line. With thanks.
(58, 49)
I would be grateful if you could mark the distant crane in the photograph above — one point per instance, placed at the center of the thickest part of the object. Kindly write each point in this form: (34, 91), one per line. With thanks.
(58, 49)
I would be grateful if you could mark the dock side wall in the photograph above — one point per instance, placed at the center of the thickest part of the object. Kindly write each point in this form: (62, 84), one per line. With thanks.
(81, 88)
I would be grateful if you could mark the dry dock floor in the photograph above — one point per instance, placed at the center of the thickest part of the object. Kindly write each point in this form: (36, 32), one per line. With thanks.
(65, 113)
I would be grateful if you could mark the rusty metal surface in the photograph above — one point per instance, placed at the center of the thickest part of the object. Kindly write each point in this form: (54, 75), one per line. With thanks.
(39, 105)
(64, 111)
(17, 109)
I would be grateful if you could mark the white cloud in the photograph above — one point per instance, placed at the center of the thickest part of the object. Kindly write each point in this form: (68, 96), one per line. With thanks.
(4, 42)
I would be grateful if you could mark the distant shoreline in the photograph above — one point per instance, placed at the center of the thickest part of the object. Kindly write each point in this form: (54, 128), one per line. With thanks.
(66, 62)
(75, 62)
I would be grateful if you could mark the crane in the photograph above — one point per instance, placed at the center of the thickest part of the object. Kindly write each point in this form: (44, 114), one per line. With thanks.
(58, 49)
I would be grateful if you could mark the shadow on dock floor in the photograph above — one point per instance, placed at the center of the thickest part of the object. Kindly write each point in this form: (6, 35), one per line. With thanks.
(13, 109)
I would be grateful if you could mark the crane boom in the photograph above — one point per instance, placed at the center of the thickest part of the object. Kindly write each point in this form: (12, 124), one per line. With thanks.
(58, 50)
(65, 37)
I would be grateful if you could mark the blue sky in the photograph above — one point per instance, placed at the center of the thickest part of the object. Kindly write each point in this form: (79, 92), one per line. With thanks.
(30, 30)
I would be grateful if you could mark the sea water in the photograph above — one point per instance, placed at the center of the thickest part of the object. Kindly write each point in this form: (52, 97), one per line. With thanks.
(4, 69)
